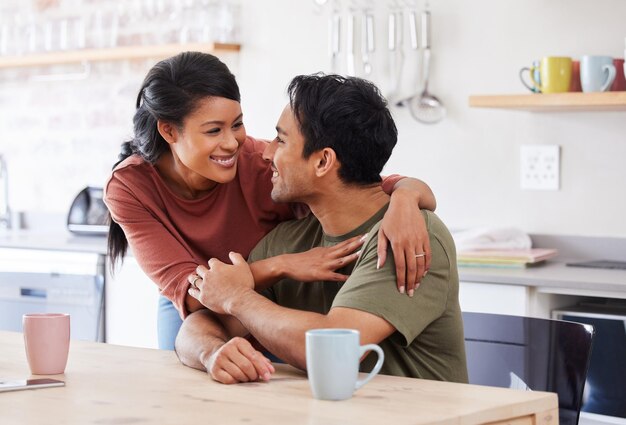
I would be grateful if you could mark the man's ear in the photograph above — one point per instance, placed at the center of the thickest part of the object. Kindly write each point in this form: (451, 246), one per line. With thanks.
(168, 131)
(326, 161)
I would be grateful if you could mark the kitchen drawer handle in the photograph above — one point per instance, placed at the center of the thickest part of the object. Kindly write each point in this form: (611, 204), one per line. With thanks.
(31, 292)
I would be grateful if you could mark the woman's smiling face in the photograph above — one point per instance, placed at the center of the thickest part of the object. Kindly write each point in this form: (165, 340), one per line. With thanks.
(208, 144)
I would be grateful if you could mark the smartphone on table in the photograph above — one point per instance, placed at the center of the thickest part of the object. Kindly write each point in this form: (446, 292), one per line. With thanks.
(29, 384)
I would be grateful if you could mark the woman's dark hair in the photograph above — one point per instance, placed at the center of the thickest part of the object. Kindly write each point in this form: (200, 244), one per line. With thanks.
(170, 92)
(348, 115)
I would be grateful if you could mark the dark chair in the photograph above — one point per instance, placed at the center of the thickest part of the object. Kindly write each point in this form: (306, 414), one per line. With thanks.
(530, 353)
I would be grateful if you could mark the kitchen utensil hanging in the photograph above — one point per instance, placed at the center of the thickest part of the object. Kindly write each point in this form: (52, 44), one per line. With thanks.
(425, 107)
(396, 54)
(367, 41)
(351, 44)
(409, 51)
(404, 56)
(334, 40)
(352, 39)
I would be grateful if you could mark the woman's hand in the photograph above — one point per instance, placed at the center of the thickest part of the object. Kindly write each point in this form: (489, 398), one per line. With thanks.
(404, 228)
(321, 263)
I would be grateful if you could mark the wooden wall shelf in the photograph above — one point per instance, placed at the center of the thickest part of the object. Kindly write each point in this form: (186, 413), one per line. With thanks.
(112, 54)
(557, 102)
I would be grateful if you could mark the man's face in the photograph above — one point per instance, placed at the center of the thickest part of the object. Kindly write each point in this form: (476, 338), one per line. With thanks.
(293, 175)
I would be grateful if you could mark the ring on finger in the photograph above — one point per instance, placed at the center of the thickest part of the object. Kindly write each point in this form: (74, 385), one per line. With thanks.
(420, 255)
(193, 282)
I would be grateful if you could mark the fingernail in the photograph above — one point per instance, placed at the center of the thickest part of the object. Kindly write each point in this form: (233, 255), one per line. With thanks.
(417, 285)
(402, 289)
(358, 253)
(425, 273)
(266, 376)
(378, 264)
(411, 292)
(363, 237)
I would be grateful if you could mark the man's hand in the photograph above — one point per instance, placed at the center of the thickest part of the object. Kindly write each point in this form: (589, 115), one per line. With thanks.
(237, 361)
(220, 284)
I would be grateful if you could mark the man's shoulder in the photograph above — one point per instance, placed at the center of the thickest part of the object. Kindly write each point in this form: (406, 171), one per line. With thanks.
(435, 227)
(438, 230)
(433, 222)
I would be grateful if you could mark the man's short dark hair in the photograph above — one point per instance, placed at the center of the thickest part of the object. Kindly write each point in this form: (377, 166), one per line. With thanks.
(348, 115)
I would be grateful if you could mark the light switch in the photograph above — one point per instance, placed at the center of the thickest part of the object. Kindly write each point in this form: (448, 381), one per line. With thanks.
(540, 167)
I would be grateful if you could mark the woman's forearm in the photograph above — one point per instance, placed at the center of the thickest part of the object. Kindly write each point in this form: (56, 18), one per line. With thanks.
(267, 272)
(417, 189)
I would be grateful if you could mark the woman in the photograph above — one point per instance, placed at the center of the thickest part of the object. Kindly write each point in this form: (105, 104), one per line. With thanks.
(191, 185)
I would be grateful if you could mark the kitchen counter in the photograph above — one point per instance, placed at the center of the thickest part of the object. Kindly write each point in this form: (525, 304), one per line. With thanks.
(552, 277)
(55, 241)
(48, 231)
(555, 277)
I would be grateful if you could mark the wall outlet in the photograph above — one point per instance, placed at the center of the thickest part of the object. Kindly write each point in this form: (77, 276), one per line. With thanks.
(540, 167)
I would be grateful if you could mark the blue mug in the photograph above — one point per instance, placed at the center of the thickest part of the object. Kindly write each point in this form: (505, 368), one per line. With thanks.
(596, 73)
(332, 362)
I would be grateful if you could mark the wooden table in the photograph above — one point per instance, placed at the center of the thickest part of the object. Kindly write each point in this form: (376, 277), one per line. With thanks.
(108, 384)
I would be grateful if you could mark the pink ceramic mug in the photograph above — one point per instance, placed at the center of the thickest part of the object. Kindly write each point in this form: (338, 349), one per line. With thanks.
(47, 341)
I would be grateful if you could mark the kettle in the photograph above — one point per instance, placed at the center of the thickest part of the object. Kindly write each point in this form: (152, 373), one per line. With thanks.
(88, 214)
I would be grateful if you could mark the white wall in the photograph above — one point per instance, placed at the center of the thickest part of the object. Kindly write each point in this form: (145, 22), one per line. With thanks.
(60, 136)
(471, 160)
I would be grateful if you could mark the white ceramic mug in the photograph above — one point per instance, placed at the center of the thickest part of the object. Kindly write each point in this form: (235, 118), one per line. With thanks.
(332, 362)
(596, 73)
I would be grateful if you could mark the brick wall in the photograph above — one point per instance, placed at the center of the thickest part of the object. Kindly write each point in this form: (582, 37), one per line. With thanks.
(61, 126)
(59, 136)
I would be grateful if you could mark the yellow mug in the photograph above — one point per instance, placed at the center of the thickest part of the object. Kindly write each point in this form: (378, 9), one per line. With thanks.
(555, 74)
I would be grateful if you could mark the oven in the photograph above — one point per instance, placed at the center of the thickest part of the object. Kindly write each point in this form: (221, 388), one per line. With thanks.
(604, 400)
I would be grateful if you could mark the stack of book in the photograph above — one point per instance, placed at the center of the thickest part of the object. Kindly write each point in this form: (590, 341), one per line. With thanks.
(504, 258)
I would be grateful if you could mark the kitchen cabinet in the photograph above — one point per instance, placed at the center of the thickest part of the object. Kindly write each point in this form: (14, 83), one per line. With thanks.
(58, 272)
(553, 102)
(495, 298)
(131, 301)
(113, 54)
(52, 281)
(514, 299)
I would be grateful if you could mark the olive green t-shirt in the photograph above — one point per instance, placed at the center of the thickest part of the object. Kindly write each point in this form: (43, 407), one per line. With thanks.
(428, 342)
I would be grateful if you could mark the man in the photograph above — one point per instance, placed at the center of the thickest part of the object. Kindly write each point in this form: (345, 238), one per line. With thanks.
(333, 140)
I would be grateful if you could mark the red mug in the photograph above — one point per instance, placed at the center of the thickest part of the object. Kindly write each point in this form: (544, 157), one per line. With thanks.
(619, 84)
(575, 82)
